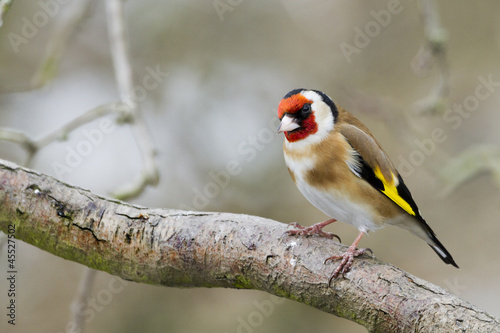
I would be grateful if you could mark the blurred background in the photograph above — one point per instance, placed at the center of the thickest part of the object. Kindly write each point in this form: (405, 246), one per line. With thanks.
(221, 69)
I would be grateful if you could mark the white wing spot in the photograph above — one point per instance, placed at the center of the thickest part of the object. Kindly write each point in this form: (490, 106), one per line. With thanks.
(353, 163)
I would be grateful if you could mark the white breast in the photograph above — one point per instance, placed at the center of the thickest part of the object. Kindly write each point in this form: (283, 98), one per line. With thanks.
(333, 203)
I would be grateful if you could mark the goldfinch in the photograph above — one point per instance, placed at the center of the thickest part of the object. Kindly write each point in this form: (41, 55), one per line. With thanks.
(340, 167)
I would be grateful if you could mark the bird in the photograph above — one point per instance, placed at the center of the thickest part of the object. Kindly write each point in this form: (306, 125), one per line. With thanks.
(339, 166)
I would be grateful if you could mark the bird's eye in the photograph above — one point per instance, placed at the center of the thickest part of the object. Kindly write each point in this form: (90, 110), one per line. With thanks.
(306, 110)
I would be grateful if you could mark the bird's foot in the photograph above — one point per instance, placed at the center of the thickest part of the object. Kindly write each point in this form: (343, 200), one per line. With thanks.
(315, 229)
(346, 262)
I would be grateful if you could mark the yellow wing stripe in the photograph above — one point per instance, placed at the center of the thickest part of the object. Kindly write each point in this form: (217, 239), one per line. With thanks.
(391, 191)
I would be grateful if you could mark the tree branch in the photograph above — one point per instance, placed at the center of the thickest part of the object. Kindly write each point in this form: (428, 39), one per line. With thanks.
(195, 249)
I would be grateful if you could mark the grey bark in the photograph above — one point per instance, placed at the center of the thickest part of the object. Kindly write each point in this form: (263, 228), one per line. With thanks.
(176, 248)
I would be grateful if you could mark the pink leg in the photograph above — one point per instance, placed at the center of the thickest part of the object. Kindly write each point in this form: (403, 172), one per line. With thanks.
(312, 230)
(347, 258)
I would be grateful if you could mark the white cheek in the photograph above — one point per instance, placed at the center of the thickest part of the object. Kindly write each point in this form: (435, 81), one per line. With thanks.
(324, 118)
(322, 112)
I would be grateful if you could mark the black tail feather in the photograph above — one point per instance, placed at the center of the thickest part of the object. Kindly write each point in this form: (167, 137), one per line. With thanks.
(441, 250)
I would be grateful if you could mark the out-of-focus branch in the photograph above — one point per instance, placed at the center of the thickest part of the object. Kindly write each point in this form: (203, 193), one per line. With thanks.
(433, 52)
(78, 303)
(128, 106)
(468, 164)
(20, 138)
(71, 16)
(59, 39)
(4, 7)
(33, 146)
(87, 117)
(125, 81)
(194, 249)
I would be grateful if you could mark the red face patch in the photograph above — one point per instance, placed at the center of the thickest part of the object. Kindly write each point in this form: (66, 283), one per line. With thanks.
(307, 128)
(292, 105)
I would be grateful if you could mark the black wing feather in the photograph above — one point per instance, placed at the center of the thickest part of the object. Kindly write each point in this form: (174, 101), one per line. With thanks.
(368, 174)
